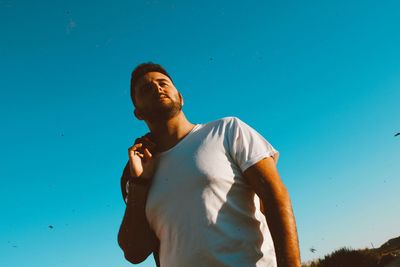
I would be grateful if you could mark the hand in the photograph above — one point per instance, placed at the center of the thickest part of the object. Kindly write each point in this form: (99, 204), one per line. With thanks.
(141, 161)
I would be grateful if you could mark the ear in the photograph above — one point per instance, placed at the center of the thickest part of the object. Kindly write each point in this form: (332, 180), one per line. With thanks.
(181, 99)
(137, 114)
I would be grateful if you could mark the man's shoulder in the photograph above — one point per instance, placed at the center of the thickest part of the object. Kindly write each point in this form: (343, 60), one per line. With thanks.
(229, 120)
(225, 124)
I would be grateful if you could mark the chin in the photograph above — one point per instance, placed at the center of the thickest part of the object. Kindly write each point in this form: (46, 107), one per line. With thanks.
(162, 112)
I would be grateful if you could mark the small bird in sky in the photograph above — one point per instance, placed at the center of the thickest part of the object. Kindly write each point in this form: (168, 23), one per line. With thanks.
(397, 134)
(51, 226)
(313, 250)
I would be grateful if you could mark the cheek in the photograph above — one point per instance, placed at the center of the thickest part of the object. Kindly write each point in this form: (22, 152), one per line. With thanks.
(178, 98)
(141, 99)
(176, 95)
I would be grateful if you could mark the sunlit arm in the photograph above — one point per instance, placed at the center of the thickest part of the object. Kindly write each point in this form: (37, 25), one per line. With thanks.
(264, 179)
(135, 236)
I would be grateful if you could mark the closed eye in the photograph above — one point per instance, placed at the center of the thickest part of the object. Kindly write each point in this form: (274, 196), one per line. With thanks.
(163, 82)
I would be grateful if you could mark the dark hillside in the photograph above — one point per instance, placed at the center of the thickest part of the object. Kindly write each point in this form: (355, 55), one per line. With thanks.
(387, 255)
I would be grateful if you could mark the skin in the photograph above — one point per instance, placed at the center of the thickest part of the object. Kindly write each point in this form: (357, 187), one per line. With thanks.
(133, 236)
(264, 179)
(155, 90)
(166, 132)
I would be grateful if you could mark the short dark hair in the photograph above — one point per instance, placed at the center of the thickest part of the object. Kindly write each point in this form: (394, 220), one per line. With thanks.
(140, 71)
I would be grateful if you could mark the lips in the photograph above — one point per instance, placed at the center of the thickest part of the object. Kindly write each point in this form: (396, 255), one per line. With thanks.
(161, 96)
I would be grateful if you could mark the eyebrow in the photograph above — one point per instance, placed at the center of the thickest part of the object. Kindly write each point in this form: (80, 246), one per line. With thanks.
(143, 84)
(162, 80)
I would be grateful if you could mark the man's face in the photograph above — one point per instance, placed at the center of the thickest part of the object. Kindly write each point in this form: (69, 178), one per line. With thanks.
(156, 97)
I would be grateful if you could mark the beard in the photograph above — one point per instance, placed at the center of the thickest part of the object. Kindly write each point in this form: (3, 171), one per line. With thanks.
(160, 112)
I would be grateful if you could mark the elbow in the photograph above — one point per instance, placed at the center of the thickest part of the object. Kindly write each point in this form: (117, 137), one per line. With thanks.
(132, 253)
(135, 259)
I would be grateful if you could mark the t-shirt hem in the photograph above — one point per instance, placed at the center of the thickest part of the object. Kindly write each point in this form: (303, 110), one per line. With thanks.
(256, 159)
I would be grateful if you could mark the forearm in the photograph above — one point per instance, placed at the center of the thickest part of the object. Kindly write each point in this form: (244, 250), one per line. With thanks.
(135, 236)
(282, 226)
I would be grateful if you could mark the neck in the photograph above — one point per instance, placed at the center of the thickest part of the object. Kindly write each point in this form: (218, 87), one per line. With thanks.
(168, 133)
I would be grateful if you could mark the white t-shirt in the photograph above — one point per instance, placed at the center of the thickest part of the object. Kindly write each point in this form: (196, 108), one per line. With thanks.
(200, 206)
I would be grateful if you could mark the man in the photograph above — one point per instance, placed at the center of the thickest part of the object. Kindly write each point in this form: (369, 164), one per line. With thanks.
(197, 193)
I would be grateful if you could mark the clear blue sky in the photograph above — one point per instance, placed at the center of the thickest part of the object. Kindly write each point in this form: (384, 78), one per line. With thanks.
(319, 79)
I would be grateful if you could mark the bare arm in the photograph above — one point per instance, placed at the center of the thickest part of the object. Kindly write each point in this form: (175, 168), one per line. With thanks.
(135, 236)
(264, 179)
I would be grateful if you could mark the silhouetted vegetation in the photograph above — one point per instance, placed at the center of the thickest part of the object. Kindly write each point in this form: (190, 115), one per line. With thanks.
(347, 257)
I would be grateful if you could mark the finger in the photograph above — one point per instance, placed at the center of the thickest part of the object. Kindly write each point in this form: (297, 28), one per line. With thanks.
(150, 148)
(144, 139)
(135, 146)
(140, 155)
(146, 142)
(135, 151)
(147, 154)
(138, 145)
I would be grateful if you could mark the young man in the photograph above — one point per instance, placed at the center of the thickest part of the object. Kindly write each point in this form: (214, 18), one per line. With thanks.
(197, 193)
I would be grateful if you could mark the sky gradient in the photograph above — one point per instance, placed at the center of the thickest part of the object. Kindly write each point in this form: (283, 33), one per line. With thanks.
(320, 80)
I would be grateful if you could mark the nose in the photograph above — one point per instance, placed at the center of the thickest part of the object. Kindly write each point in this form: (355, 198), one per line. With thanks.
(154, 89)
(157, 88)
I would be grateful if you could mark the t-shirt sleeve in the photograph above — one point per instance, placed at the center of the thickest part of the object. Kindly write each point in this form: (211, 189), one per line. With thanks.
(247, 146)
